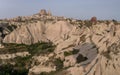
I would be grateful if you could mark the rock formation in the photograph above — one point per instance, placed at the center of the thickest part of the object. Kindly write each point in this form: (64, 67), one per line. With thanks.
(3, 31)
(94, 20)
(80, 49)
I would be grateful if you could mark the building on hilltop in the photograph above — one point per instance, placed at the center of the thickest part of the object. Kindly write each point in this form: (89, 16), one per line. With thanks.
(93, 20)
(43, 12)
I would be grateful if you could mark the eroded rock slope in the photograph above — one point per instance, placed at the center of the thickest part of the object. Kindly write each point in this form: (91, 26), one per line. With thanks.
(80, 48)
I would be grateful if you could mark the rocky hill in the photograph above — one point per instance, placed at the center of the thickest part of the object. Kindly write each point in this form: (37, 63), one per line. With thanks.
(43, 44)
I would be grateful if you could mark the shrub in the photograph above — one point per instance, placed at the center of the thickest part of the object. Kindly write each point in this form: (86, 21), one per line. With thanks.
(12, 27)
(67, 53)
(88, 23)
(74, 51)
(41, 48)
(9, 69)
(58, 63)
(115, 22)
(22, 61)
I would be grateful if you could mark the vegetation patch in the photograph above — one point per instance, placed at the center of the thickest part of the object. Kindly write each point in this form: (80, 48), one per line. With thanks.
(74, 51)
(9, 69)
(41, 48)
(88, 23)
(13, 48)
(19, 68)
(21, 65)
(12, 27)
(59, 67)
(115, 22)
(37, 48)
(58, 63)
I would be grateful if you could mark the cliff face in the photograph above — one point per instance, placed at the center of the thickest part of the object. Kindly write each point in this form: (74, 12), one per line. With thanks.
(80, 48)
(39, 31)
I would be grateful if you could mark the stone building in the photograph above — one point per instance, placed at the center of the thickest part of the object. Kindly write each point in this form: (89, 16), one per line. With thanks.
(43, 12)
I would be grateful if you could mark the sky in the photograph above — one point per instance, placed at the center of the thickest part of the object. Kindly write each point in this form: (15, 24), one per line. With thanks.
(80, 9)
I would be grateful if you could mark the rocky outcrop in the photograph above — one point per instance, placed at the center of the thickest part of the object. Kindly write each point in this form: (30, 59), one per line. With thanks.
(3, 31)
(12, 56)
(105, 61)
(39, 32)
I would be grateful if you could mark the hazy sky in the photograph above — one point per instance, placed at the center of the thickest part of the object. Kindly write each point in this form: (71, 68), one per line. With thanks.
(82, 9)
